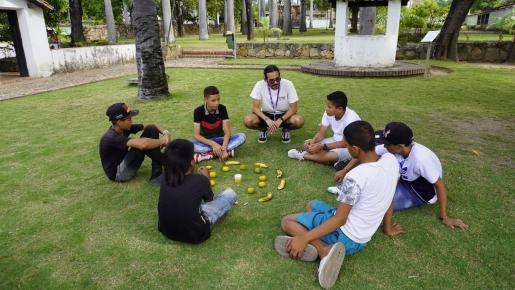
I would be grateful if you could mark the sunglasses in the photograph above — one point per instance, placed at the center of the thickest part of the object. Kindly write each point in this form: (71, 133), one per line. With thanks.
(274, 81)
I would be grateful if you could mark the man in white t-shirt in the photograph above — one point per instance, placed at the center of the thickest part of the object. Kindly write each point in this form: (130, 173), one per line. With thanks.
(274, 106)
(329, 150)
(366, 193)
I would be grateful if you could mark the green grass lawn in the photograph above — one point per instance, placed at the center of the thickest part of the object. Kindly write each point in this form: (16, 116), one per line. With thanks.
(64, 225)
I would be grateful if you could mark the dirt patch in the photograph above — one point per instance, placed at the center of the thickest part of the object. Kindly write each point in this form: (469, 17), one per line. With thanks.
(494, 65)
(439, 71)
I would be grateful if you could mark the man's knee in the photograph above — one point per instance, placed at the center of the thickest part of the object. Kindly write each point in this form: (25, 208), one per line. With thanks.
(251, 121)
(150, 131)
(286, 221)
(296, 121)
(308, 206)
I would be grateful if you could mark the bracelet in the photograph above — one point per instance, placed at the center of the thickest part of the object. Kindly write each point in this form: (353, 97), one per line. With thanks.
(165, 132)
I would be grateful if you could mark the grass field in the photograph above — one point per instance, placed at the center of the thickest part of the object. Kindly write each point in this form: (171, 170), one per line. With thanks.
(64, 225)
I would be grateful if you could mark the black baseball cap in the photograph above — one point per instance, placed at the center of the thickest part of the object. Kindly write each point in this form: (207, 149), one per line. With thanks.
(395, 133)
(119, 111)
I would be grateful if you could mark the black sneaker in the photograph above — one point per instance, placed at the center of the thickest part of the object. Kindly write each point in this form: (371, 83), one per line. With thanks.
(156, 178)
(263, 134)
(339, 165)
(285, 136)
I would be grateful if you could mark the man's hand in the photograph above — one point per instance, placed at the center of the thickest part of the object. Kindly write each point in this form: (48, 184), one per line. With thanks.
(308, 143)
(217, 150)
(340, 175)
(454, 223)
(204, 171)
(296, 247)
(223, 156)
(315, 148)
(393, 230)
(272, 126)
(167, 138)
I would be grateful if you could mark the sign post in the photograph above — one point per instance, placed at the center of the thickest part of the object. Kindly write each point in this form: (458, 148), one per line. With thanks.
(429, 37)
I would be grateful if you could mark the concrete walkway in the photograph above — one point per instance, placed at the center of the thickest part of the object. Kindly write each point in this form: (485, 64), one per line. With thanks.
(15, 87)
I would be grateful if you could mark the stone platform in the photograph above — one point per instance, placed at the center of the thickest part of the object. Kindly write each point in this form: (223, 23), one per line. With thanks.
(399, 69)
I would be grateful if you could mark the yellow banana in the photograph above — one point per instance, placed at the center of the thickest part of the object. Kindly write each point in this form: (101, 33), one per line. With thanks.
(232, 163)
(282, 184)
(262, 165)
(266, 198)
(279, 173)
(209, 167)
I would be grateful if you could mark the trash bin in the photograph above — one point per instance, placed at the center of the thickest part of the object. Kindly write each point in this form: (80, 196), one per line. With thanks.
(229, 39)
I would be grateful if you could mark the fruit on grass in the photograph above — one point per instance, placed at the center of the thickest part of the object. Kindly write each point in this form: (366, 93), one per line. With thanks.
(212, 174)
(232, 163)
(282, 184)
(212, 182)
(262, 178)
(251, 190)
(209, 167)
(266, 198)
(226, 168)
(257, 170)
(279, 173)
(262, 184)
(243, 167)
(262, 165)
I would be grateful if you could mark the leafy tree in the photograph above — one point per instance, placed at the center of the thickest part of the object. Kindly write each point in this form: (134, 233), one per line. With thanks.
(489, 4)
(505, 24)
(431, 11)
(54, 17)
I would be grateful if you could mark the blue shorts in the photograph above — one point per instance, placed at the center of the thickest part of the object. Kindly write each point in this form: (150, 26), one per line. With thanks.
(319, 214)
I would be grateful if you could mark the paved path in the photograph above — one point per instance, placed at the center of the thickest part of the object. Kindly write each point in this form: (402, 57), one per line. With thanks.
(15, 87)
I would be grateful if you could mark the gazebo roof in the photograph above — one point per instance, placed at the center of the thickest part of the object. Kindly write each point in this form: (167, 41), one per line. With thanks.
(42, 3)
(368, 3)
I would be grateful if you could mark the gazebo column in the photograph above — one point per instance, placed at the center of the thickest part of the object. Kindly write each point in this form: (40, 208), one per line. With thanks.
(394, 18)
(340, 31)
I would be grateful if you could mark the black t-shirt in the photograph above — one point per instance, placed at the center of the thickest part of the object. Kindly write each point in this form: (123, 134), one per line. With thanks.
(113, 147)
(180, 215)
(211, 125)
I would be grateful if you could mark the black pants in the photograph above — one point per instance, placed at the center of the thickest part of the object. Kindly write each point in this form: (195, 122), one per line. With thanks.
(134, 158)
(273, 117)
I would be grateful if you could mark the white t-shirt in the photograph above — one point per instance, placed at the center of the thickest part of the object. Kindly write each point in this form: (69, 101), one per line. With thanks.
(369, 188)
(281, 98)
(339, 125)
(420, 162)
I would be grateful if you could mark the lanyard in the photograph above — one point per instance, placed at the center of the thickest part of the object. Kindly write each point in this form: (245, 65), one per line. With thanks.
(274, 107)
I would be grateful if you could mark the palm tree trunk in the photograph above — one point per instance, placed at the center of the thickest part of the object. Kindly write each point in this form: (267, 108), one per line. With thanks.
(76, 21)
(262, 12)
(111, 27)
(302, 27)
(167, 22)
(354, 19)
(126, 14)
(179, 17)
(311, 8)
(446, 45)
(274, 13)
(287, 18)
(250, 19)
(202, 20)
(244, 25)
(331, 18)
(229, 16)
(152, 82)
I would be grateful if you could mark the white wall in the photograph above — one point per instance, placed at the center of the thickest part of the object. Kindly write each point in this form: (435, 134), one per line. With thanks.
(34, 37)
(72, 59)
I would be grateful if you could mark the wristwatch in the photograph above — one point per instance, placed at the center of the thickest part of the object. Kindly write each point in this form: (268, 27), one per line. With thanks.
(325, 147)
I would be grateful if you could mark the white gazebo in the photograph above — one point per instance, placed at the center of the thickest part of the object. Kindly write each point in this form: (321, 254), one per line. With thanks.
(366, 50)
(30, 36)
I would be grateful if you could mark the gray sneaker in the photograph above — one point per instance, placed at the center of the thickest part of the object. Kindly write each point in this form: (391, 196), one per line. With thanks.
(280, 244)
(330, 266)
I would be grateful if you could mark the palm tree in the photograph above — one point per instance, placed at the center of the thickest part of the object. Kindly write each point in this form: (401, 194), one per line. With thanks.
(244, 27)
(311, 7)
(167, 22)
(202, 20)
(76, 21)
(229, 10)
(111, 27)
(274, 13)
(302, 27)
(262, 12)
(287, 18)
(250, 19)
(152, 80)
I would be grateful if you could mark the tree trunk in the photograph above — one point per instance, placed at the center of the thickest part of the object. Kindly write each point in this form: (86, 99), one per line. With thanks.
(152, 82)
(311, 8)
(262, 11)
(446, 45)
(126, 14)
(367, 20)
(111, 27)
(76, 21)
(229, 16)
(354, 19)
(302, 25)
(244, 26)
(167, 22)
(202, 20)
(250, 20)
(287, 18)
(179, 17)
(331, 18)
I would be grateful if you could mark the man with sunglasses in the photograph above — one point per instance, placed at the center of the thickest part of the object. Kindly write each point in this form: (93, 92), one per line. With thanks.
(122, 156)
(274, 106)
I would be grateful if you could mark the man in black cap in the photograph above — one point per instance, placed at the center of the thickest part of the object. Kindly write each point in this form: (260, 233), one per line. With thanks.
(420, 181)
(122, 156)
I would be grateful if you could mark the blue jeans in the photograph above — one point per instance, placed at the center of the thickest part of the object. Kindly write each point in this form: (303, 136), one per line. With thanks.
(405, 198)
(218, 207)
(235, 141)
(319, 214)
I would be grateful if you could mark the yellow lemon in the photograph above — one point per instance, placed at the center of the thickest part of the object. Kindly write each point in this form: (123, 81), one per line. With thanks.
(212, 182)
(262, 184)
(262, 178)
(212, 174)
(257, 170)
(251, 190)
(226, 168)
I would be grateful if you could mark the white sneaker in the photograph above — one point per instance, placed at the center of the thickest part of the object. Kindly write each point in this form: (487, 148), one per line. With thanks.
(333, 190)
(296, 154)
(330, 266)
